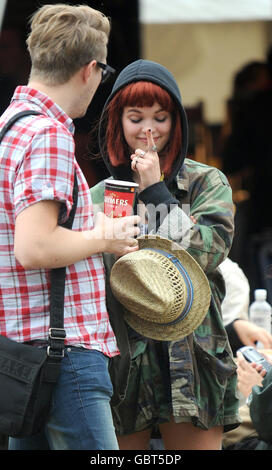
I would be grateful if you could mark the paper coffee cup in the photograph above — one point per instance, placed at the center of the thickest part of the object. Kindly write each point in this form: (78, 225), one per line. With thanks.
(119, 197)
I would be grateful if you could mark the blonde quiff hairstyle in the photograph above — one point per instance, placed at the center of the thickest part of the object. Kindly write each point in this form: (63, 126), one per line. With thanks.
(64, 38)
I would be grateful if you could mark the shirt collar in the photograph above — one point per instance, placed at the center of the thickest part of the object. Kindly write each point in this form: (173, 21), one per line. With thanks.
(182, 179)
(45, 104)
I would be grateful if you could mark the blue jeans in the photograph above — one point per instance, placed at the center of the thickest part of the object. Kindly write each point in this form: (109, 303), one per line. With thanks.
(80, 417)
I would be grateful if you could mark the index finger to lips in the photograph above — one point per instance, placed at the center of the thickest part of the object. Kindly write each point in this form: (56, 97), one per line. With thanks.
(151, 146)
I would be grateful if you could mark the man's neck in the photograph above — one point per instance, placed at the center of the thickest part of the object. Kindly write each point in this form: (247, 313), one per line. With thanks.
(58, 94)
(73, 96)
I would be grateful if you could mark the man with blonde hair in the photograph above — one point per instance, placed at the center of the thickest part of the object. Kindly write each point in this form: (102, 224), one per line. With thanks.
(68, 49)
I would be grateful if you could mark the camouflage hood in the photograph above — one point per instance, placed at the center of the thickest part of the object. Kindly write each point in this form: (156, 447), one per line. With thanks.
(144, 70)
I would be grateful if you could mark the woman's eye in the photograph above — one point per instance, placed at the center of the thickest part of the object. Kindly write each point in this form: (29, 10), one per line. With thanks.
(136, 119)
(161, 119)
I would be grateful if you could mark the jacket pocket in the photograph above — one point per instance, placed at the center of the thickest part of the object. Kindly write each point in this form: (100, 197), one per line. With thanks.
(220, 362)
(215, 382)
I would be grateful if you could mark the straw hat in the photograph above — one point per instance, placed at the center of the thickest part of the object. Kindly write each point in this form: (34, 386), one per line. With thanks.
(165, 292)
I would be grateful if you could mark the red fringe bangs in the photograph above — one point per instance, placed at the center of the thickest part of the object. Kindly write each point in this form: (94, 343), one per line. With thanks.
(143, 94)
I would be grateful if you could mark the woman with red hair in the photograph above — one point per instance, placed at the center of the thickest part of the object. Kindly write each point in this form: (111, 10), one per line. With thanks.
(186, 388)
(143, 95)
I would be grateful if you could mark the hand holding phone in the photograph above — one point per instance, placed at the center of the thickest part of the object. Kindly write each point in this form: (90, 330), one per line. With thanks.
(253, 355)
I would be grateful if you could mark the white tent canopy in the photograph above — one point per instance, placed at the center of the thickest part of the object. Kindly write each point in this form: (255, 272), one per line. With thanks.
(194, 11)
(2, 10)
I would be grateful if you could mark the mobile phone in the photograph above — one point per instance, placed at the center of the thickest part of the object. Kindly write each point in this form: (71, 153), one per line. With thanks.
(252, 355)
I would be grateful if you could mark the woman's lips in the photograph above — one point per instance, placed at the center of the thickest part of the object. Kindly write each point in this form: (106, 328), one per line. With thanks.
(144, 141)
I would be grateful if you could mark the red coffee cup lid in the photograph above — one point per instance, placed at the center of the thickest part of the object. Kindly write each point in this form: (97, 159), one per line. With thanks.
(130, 184)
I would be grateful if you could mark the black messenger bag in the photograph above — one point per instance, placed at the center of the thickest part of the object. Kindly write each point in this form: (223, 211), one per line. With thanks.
(28, 374)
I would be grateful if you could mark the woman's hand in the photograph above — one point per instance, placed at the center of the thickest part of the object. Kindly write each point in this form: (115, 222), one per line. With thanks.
(146, 164)
(249, 374)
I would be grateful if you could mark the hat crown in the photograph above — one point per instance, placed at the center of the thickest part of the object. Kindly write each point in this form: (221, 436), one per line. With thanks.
(152, 287)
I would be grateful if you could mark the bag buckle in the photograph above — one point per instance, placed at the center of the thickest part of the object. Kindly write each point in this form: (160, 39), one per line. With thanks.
(54, 354)
(57, 333)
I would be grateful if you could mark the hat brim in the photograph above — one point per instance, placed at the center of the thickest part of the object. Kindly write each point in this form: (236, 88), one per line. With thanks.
(200, 304)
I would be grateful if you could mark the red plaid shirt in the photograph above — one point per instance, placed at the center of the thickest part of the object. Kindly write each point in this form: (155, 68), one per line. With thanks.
(37, 163)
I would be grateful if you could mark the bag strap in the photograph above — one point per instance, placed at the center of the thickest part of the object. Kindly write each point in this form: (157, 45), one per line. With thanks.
(56, 331)
(15, 118)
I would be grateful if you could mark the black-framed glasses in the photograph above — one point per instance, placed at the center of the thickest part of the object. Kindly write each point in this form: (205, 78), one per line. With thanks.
(107, 70)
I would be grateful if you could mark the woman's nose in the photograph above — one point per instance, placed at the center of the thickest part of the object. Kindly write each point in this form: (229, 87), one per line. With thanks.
(147, 126)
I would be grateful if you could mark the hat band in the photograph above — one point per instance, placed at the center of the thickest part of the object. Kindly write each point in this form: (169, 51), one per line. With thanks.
(187, 280)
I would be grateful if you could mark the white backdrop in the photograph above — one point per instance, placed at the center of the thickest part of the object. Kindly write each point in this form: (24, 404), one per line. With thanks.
(183, 11)
(2, 9)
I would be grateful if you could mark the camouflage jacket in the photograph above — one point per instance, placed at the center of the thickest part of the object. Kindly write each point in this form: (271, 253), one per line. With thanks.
(261, 412)
(202, 369)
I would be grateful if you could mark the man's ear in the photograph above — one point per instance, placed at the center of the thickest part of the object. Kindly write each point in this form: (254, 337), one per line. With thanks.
(87, 70)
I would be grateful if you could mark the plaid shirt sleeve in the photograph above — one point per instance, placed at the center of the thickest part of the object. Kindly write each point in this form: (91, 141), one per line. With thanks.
(47, 171)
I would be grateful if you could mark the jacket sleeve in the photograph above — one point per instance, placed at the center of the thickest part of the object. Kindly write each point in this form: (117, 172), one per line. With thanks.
(261, 408)
(234, 340)
(212, 235)
(209, 201)
(97, 195)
